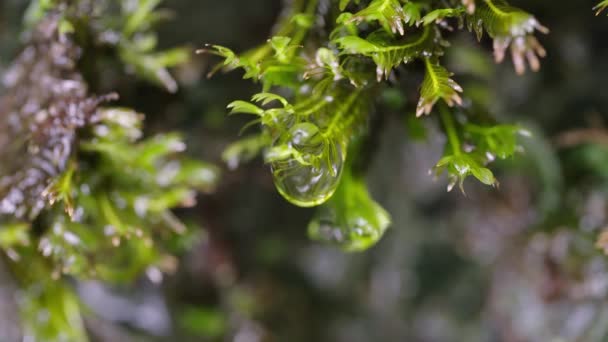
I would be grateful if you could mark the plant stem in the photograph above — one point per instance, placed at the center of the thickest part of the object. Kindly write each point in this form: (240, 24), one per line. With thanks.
(450, 129)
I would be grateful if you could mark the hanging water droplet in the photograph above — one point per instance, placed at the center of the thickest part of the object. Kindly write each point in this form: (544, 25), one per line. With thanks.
(306, 166)
(353, 233)
(352, 220)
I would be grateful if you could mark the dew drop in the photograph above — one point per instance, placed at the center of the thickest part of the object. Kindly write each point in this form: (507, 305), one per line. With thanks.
(349, 230)
(308, 166)
(352, 220)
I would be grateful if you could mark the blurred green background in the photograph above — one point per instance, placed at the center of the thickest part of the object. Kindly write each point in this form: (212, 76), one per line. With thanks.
(516, 263)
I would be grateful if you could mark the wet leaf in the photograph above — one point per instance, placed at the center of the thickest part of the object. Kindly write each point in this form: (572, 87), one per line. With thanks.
(437, 85)
(351, 220)
(509, 27)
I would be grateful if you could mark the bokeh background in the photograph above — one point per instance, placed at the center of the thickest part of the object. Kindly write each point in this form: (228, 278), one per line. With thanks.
(521, 262)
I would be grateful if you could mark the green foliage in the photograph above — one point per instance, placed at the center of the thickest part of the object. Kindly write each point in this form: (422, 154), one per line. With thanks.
(509, 27)
(125, 189)
(437, 85)
(308, 140)
(82, 194)
(460, 166)
(499, 140)
(486, 144)
(388, 13)
(388, 54)
(305, 138)
(280, 70)
(599, 8)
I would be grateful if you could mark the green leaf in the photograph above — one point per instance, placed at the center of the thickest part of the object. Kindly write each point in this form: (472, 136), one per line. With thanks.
(303, 20)
(388, 13)
(285, 75)
(460, 166)
(326, 62)
(232, 61)
(411, 10)
(266, 98)
(437, 85)
(509, 27)
(495, 141)
(499, 19)
(282, 48)
(245, 108)
(388, 53)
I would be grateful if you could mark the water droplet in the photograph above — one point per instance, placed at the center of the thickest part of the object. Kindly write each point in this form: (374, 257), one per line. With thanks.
(306, 166)
(349, 230)
(352, 220)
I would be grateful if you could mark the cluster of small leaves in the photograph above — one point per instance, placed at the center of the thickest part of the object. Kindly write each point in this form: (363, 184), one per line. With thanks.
(484, 145)
(369, 44)
(106, 217)
(510, 27)
(437, 85)
(280, 70)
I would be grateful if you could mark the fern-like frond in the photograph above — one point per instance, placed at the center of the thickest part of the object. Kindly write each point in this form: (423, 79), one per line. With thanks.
(388, 54)
(388, 13)
(437, 85)
(232, 61)
(283, 69)
(500, 19)
(509, 27)
(600, 7)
